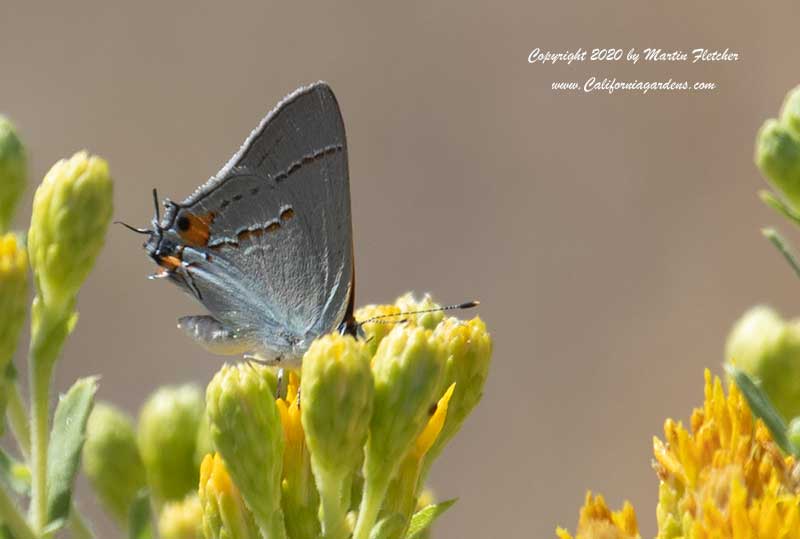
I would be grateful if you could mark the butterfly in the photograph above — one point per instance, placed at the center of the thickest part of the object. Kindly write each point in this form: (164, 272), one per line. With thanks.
(266, 244)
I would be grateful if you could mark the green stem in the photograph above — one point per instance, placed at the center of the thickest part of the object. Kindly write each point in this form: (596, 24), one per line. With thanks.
(40, 401)
(49, 330)
(330, 493)
(404, 489)
(376, 482)
(300, 502)
(18, 419)
(11, 516)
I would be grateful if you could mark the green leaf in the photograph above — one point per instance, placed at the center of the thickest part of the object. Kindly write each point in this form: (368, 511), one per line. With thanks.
(15, 474)
(783, 246)
(389, 526)
(66, 442)
(425, 517)
(140, 517)
(762, 408)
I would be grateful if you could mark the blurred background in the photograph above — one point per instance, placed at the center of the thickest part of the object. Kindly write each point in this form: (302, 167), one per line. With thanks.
(612, 239)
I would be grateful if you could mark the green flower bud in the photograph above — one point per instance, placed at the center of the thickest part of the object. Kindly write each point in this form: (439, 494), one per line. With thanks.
(247, 432)
(376, 331)
(71, 211)
(182, 519)
(13, 172)
(790, 112)
(767, 348)
(225, 515)
(111, 460)
(468, 348)
(168, 425)
(778, 157)
(407, 304)
(407, 368)
(337, 392)
(778, 150)
(204, 445)
(387, 316)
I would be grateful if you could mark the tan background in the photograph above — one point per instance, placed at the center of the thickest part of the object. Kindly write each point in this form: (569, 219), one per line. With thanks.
(612, 239)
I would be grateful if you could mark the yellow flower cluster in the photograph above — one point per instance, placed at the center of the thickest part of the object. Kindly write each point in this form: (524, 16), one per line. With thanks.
(726, 478)
(597, 521)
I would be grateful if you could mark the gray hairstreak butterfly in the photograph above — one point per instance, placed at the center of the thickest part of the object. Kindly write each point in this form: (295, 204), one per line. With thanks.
(266, 244)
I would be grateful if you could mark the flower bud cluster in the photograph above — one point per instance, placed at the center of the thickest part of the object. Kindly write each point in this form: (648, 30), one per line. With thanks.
(345, 450)
(157, 453)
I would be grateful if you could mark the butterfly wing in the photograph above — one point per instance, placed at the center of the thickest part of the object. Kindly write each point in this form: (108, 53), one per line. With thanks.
(266, 244)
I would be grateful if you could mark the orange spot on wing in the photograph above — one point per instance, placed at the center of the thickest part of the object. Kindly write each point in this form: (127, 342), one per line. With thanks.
(249, 234)
(196, 228)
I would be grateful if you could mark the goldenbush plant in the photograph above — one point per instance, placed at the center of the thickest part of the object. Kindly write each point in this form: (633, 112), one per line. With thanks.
(339, 448)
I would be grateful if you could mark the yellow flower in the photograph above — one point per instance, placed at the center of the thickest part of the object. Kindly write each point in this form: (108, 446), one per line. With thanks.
(597, 521)
(224, 511)
(13, 294)
(12, 255)
(299, 495)
(403, 492)
(435, 424)
(725, 478)
(289, 410)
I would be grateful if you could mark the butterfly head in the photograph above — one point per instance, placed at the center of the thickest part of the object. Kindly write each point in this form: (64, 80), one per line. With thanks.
(159, 246)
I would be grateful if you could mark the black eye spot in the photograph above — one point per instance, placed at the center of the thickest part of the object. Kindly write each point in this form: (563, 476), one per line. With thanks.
(183, 223)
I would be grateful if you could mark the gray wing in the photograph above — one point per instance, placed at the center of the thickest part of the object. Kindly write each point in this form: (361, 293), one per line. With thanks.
(269, 238)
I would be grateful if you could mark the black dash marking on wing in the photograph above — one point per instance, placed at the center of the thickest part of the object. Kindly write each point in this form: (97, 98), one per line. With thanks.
(294, 167)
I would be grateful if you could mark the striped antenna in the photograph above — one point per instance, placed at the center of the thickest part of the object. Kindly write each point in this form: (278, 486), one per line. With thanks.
(459, 306)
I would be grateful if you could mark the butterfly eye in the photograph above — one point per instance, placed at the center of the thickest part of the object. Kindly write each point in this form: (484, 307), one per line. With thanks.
(183, 223)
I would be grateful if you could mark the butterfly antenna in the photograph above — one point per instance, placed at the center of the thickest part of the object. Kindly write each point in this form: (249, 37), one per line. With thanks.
(377, 320)
(455, 307)
(133, 228)
(155, 202)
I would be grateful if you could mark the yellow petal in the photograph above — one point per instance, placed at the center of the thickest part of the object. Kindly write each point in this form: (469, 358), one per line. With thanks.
(435, 423)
